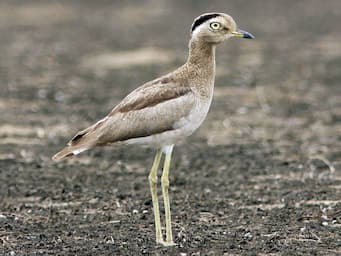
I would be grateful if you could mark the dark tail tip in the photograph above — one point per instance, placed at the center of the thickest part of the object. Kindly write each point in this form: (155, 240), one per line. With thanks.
(66, 152)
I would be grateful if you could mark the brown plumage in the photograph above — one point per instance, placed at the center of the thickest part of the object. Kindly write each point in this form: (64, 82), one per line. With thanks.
(165, 110)
(127, 120)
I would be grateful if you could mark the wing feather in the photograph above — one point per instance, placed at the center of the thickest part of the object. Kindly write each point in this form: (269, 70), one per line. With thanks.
(150, 109)
(151, 94)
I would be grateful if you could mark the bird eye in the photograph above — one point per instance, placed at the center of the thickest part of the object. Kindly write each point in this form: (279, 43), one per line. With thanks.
(215, 25)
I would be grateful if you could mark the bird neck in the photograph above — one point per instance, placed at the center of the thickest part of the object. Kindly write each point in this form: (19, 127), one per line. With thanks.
(201, 55)
(200, 66)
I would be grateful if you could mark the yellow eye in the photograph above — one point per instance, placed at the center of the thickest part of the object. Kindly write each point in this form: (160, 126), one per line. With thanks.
(215, 25)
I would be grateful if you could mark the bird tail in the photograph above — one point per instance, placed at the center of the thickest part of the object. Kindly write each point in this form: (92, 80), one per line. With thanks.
(69, 151)
(82, 141)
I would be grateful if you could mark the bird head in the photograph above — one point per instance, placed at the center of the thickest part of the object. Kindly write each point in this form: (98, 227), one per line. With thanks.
(216, 28)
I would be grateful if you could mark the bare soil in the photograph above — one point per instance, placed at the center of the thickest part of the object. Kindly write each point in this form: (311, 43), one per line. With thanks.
(262, 175)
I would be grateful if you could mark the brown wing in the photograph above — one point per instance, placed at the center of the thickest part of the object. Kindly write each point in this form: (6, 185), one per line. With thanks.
(151, 94)
(150, 109)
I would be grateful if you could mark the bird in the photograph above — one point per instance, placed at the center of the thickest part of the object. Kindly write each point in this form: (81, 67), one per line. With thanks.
(164, 111)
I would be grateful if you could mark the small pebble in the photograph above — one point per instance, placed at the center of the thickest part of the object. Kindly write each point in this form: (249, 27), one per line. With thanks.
(248, 236)
(242, 110)
(42, 93)
(59, 96)
(93, 201)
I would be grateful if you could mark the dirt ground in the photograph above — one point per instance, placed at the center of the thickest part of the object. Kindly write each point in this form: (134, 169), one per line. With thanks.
(262, 175)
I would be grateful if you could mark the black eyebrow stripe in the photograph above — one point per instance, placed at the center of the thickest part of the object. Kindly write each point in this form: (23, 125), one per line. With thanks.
(202, 19)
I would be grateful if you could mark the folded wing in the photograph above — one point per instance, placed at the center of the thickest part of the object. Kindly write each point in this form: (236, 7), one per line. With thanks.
(150, 109)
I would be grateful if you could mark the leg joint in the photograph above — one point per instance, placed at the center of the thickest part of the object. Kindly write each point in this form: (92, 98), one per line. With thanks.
(152, 179)
(165, 182)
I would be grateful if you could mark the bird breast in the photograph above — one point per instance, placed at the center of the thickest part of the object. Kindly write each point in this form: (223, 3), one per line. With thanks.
(188, 124)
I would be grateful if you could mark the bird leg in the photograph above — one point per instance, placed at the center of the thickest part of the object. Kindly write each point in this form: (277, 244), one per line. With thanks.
(165, 185)
(153, 189)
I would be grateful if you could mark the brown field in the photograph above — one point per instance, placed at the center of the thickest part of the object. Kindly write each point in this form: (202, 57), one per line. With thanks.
(262, 175)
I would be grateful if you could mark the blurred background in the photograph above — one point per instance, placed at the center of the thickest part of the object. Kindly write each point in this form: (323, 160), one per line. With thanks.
(67, 63)
(274, 126)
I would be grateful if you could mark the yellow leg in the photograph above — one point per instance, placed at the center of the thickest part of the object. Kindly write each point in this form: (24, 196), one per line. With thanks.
(165, 185)
(153, 190)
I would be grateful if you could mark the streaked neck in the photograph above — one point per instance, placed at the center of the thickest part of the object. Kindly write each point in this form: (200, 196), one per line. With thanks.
(200, 66)
(201, 53)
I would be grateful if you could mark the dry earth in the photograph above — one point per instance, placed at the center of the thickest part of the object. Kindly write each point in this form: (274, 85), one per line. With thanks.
(261, 177)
